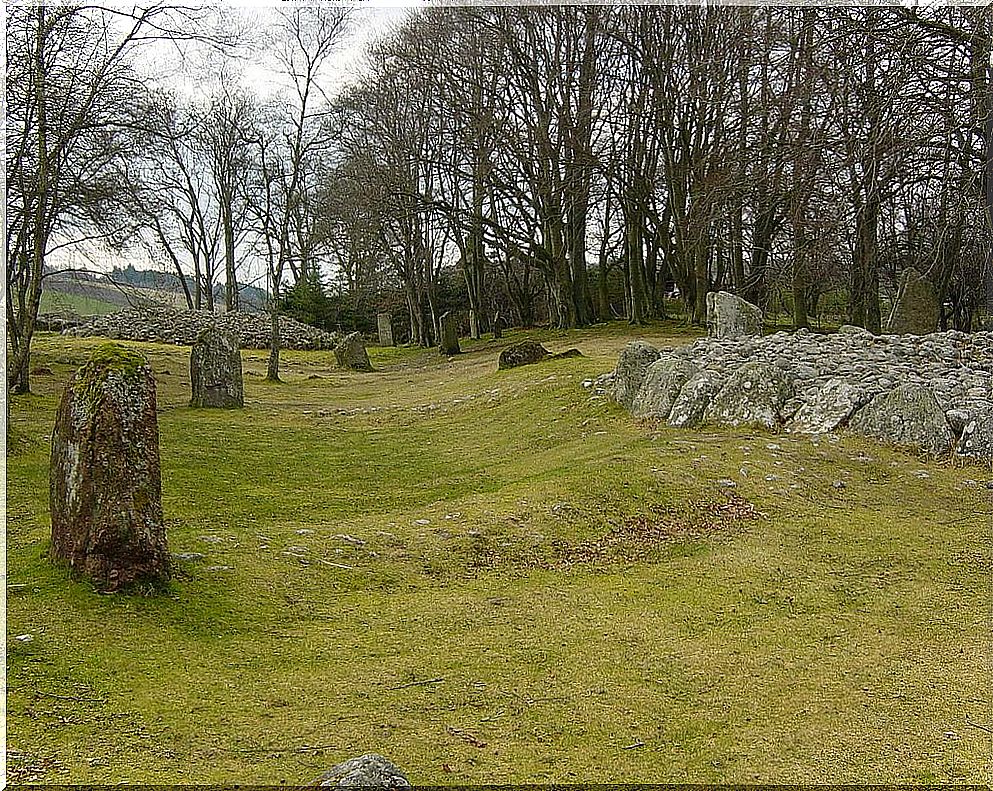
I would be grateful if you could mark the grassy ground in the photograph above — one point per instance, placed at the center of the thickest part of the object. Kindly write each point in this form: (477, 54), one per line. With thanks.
(57, 302)
(489, 577)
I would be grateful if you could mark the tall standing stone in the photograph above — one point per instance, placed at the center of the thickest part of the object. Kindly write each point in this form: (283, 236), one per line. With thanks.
(215, 371)
(105, 490)
(384, 322)
(916, 309)
(729, 316)
(449, 334)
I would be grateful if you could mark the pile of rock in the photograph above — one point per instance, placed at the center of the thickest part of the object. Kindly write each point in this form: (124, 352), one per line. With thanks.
(932, 393)
(182, 327)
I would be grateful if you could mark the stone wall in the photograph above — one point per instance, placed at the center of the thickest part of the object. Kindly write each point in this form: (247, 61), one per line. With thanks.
(933, 393)
(182, 327)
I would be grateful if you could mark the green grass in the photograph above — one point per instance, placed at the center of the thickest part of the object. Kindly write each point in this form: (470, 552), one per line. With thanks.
(594, 604)
(55, 302)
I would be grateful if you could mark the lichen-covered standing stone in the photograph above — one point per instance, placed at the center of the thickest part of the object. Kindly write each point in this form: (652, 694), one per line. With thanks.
(908, 416)
(105, 490)
(366, 770)
(384, 323)
(632, 366)
(729, 316)
(215, 371)
(350, 353)
(663, 381)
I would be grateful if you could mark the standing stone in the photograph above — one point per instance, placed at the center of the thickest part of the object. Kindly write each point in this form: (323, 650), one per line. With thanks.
(366, 770)
(497, 325)
(729, 316)
(215, 371)
(915, 310)
(385, 323)
(449, 334)
(105, 490)
(350, 353)
(908, 416)
(632, 366)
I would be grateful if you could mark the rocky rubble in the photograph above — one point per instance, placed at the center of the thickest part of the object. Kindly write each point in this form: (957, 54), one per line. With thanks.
(932, 393)
(182, 327)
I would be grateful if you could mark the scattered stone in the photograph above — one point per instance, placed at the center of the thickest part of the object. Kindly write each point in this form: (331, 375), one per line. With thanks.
(830, 408)
(366, 770)
(838, 485)
(663, 380)
(523, 353)
(105, 489)
(182, 327)
(384, 323)
(916, 309)
(25, 638)
(908, 416)
(351, 354)
(632, 366)
(567, 354)
(729, 316)
(215, 371)
(449, 335)
(188, 556)
(753, 395)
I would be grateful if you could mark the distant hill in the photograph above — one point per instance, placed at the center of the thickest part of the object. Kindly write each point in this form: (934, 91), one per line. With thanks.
(93, 293)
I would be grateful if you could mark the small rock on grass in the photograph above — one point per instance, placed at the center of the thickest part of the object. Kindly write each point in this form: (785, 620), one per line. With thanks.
(366, 770)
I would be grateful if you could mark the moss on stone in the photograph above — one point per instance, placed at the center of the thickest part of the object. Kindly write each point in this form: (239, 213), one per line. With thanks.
(107, 359)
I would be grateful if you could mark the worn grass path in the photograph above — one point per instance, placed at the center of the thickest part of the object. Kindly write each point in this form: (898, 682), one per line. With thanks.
(489, 577)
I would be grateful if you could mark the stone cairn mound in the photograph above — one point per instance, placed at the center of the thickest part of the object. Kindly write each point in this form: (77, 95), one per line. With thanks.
(929, 393)
(105, 490)
(183, 327)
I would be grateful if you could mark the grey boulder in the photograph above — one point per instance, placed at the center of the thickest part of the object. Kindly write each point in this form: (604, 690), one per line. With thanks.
(694, 397)
(754, 394)
(366, 770)
(663, 380)
(632, 366)
(908, 416)
(830, 409)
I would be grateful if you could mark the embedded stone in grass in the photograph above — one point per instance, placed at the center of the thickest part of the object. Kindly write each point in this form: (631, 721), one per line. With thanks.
(632, 366)
(215, 371)
(908, 416)
(523, 353)
(366, 770)
(105, 491)
(350, 353)
(754, 394)
(663, 381)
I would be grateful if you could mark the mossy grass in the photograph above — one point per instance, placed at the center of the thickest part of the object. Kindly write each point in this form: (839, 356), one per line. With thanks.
(595, 603)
